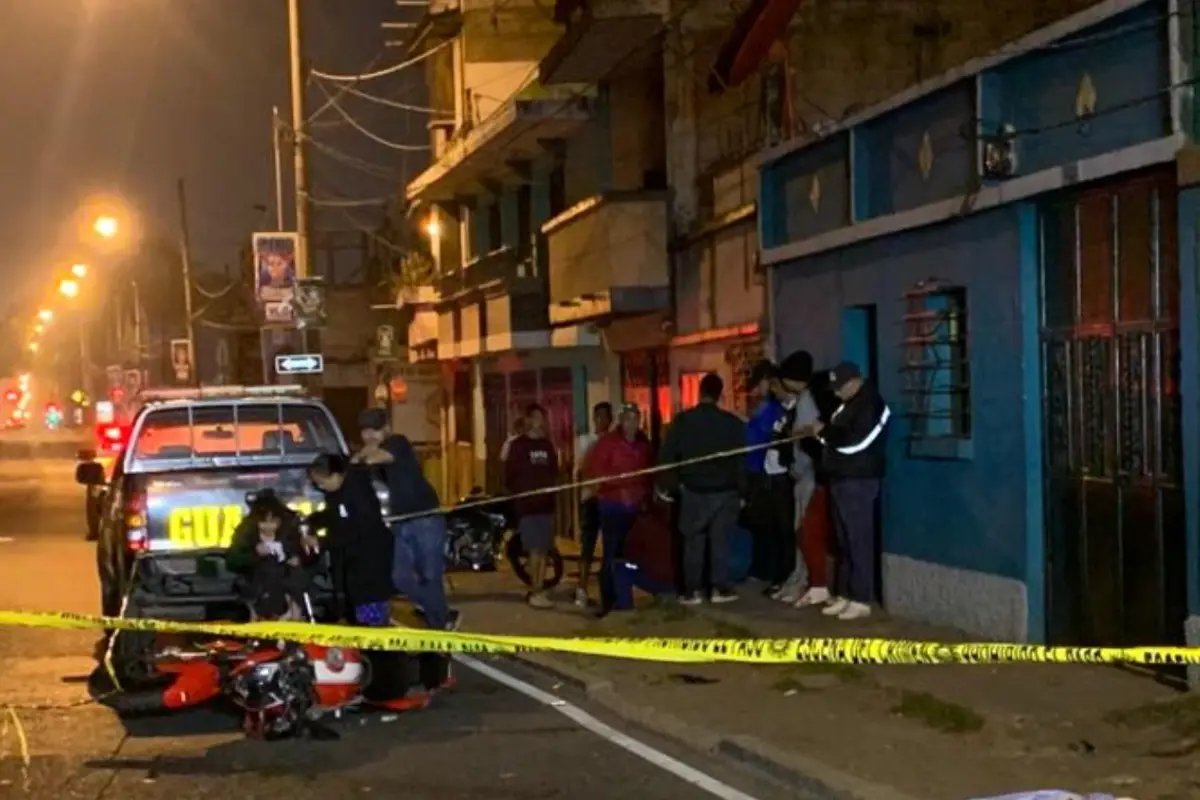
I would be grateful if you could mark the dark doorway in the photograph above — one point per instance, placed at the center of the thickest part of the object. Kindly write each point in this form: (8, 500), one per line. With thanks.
(1115, 558)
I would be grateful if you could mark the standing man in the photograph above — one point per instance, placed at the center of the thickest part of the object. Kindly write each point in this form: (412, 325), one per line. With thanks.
(620, 500)
(795, 378)
(418, 565)
(589, 513)
(854, 458)
(710, 491)
(532, 464)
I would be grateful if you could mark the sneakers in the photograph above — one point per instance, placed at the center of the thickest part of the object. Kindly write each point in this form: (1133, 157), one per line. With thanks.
(719, 598)
(581, 598)
(693, 599)
(855, 611)
(836, 606)
(539, 600)
(454, 621)
(815, 596)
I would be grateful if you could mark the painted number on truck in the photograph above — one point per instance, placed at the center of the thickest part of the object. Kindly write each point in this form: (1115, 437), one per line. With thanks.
(213, 526)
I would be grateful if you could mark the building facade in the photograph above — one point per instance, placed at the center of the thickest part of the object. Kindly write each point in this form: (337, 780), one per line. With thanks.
(1008, 250)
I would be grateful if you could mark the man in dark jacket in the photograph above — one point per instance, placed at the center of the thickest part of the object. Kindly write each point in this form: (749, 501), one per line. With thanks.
(854, 459)
(419, 565)
(359, 543)
(710, 492)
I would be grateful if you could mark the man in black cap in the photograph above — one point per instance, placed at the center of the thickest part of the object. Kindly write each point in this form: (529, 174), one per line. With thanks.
(419, 565)
(854, 458)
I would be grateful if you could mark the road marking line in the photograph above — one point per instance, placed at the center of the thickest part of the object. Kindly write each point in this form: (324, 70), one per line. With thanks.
(585, 720)
(6, 540)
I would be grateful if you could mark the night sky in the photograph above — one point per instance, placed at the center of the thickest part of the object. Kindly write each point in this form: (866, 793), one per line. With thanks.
(104, 96)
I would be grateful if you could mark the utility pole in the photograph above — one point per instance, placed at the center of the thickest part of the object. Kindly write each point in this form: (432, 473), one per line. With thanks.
(299, 136)
(276, 135)
(185, 253)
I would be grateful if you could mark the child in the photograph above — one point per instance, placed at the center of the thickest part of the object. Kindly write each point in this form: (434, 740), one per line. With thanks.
(267, 547)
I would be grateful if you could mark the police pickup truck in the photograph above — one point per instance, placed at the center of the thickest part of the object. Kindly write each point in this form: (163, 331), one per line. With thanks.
(177, 490)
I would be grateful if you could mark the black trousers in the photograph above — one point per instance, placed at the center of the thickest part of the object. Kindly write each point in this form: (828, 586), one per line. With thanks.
(772, 522)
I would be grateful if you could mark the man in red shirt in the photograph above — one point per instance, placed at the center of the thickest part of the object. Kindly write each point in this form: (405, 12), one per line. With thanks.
(532, 464)
(619, 452)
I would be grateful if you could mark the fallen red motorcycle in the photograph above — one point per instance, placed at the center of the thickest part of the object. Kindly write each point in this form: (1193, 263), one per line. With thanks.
(285, 689)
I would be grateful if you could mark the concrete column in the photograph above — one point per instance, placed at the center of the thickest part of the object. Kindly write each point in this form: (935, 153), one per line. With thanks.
(679, 69)
(478, 422)
(1189, 342)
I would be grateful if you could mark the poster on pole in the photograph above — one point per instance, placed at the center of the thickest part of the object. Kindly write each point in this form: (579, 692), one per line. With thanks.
(182, 361)
(308, 306)
(275, 256)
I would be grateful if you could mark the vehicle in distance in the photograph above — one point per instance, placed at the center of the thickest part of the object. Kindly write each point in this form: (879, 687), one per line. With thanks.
(176, 492)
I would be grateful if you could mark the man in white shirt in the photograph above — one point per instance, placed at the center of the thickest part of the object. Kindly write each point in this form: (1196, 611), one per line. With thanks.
(589, 514)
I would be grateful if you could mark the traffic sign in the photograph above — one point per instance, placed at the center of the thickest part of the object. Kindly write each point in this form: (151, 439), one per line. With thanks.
(300, 364)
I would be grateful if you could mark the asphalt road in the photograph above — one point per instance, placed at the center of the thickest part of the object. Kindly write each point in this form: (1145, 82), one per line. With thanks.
(488, 738)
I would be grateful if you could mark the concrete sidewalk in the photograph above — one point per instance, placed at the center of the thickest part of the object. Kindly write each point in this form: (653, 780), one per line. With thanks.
(876, 733)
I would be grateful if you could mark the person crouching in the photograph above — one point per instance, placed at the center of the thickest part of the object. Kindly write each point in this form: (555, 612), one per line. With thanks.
(268, 549)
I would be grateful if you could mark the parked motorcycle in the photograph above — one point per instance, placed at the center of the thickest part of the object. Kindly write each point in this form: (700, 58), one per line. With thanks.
(480, 536)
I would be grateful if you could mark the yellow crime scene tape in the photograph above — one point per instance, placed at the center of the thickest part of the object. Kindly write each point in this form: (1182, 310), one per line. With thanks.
(674, 650)
(746, 651)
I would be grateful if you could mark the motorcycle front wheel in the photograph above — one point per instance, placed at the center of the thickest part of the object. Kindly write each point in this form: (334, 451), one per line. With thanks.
(515, 553)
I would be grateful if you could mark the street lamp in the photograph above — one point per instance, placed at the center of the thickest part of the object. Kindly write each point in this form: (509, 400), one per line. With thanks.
(79, 270)
(68, 288)
(46, 315)
(39, 328)
(433, 228)
(33, 347)
(106, 226)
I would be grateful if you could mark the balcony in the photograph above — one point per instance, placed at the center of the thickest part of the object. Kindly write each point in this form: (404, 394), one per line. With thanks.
(500, 269)
(608, 257)
(516, 131)
(496, 303)
(600, 35)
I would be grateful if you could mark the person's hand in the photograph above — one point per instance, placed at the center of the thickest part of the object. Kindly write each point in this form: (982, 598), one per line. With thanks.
(662, 496)
(311, 544)
(294, 561)
(817, 427)
(357, 458)
(262, 549)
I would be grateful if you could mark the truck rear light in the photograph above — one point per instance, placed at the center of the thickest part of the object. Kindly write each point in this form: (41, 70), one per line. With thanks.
(137, 538)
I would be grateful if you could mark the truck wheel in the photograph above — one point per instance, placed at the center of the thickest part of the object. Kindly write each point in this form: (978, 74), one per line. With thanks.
(133, 653)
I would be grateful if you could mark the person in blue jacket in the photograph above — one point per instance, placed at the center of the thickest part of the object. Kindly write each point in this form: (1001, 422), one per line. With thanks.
(771, 505)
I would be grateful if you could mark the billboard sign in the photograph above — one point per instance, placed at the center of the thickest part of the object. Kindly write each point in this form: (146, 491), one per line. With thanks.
(275, 270)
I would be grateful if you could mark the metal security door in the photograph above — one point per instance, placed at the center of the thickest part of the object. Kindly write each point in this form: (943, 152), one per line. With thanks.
(1112, 438)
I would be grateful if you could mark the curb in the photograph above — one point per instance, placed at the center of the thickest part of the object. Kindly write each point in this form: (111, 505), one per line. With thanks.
(813, 779)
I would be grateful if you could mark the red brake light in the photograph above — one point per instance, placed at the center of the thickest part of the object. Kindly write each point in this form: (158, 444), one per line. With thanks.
(11, 396)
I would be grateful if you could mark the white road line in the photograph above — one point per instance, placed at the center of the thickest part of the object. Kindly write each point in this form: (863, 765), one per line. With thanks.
(6, 540)
(585, 720)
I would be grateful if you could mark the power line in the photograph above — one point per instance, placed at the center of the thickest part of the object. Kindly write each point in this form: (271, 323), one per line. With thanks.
(368, 76)
(373, 202)
(384, 101)
(336, 106)
(362, 165)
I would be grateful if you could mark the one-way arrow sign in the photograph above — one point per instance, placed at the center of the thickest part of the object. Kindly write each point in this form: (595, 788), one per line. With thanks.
(301, 364)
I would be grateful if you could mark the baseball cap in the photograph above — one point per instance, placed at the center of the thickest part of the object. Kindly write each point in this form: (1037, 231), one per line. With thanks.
(842, 374)
(372, 419)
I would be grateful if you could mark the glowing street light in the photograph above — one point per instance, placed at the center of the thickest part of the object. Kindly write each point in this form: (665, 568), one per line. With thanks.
(33, 347)
(46, 315)
(68, 288)
(39, 328)
(433, 228)
(106, 226)
(79, 270)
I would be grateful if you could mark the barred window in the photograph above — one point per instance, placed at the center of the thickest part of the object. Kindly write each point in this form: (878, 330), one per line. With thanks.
(936, 365)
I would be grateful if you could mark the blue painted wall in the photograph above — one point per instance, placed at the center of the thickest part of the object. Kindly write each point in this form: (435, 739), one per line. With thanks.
(969, 514)
(787, 191)
(887, 153)
(1126, 60)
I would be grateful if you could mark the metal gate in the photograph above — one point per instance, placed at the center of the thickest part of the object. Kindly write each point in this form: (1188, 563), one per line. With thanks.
(1112, 439)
